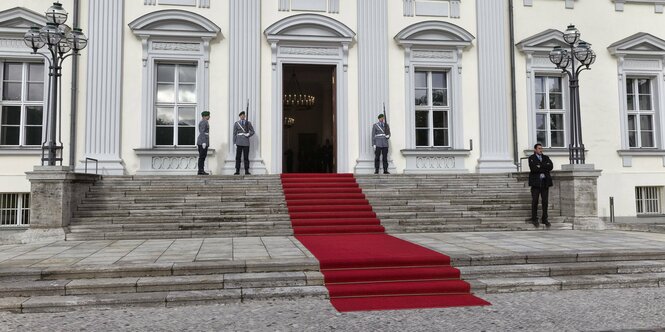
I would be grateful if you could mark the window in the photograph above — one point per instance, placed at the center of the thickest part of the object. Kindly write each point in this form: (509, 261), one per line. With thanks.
(647, 200)
(14, 209)
(432, 109)
(22, 104)
(550, 113)
(641, 113)
(175, 105)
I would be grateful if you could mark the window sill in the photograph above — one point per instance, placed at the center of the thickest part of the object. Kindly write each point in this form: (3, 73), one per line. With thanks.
(641, 152)
(20, 151)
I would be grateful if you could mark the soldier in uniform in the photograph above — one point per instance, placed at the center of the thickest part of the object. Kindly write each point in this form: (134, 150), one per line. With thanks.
(380, 136)
(202, 141)
(242, 131)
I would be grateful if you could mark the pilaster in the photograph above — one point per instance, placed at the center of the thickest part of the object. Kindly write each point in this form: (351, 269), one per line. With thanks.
(104, 85)
(493, 90)
(372, 78)
(244, 72)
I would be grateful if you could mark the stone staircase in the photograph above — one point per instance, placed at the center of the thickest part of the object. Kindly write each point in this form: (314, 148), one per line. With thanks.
(150, 207)
(454, 203)
(555, 271)
(28, 290)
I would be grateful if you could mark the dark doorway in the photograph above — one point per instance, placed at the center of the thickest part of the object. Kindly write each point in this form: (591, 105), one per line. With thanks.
(309, 103)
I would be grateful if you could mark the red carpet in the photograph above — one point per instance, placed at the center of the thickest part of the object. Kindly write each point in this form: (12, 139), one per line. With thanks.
(364, 268)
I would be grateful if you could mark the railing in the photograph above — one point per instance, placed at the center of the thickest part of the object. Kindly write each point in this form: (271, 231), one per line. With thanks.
(519, 164)
(96, 164)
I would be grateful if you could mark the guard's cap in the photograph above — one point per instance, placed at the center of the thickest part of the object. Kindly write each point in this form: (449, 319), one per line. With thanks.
(205, 113)
(381, 116)
(241, 113)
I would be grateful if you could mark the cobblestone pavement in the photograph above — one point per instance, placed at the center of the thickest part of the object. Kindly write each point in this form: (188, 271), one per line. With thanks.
(105, 252)
(585, 310)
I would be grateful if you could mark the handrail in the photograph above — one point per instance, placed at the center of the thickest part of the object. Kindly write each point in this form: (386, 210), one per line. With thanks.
(519, 164)
(96, 165)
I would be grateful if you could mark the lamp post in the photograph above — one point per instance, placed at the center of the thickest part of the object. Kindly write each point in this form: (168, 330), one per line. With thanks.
(61, 42)
(564, 59)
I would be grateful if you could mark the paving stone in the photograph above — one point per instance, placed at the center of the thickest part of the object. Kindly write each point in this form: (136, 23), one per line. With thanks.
(284, 292)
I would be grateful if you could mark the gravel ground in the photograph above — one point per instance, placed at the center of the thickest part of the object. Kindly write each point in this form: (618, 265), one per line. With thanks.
(583, 310)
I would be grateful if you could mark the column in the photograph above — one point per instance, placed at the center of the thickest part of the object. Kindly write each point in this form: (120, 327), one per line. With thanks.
(104, 85)
(493, 88)
(372, 77)
(245, 78)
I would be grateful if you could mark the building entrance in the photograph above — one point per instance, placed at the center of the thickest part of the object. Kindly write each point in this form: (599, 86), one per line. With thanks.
(309, 104)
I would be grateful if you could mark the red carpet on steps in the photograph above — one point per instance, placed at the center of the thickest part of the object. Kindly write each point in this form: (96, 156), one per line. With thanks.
(364, 268)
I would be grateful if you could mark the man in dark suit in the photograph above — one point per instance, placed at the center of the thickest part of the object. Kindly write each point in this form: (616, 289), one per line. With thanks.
(540, 182)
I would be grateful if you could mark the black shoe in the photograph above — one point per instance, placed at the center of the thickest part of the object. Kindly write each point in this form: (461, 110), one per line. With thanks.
(203, 173)
(376, 172)
(535, 223)
(236, 173)
(248, 173)
(546, 223)
(386, 172)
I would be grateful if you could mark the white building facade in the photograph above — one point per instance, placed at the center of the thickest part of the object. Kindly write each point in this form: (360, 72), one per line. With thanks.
(466, 85)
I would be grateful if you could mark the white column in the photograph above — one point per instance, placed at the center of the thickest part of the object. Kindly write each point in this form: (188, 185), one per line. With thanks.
(493, 89)
(372, 77)
(245, 78)
(104, 85)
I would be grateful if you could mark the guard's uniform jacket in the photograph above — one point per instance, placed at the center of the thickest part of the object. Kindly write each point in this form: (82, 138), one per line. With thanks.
(204, 129)
(239, 130)
(379, 134)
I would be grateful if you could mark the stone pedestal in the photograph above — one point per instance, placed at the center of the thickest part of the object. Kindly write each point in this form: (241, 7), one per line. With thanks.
(54, 193)
(578, 193)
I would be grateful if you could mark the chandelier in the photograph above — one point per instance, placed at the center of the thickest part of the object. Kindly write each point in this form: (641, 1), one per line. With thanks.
(294, 97)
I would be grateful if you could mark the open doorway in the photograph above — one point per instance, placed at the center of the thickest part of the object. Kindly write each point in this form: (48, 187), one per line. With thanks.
(309, 104)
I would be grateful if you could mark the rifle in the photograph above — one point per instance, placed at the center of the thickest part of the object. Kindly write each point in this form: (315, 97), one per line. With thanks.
(384, 113)
(247, 110)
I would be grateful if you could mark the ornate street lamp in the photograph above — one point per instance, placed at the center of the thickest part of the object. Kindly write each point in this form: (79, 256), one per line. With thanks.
(565, 60)
(61, 42)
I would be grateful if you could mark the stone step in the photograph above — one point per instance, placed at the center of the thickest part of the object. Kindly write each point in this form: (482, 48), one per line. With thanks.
(159, 284)
(471, 227)
(180, 234)
(181, 212)
(528, 284)
(133, 227)
(562, 269)
(158, 299)
(184, 219)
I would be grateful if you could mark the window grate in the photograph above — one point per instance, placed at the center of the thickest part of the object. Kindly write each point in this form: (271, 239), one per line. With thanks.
(14, 209)
(647, 200)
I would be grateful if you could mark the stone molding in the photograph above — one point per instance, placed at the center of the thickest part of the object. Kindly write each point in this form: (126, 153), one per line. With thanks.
(657, 4)
(640, 55)
(329, 6)
(170, 160)
(431, 160)
(570, 4)
(439, 45)
(190, 3)
(315, 31)
(445, 8)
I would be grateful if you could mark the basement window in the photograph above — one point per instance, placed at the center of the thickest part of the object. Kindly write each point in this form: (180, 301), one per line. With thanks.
(14, 209)
(648, 200)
